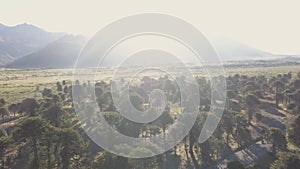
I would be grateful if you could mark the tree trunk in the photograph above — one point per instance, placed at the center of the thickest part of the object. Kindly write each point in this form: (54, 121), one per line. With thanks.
(186, 148)
(49, 153)
(57, 159)
(191, 151)
(65, 164)
(227, 139)
(276, 100)
(65, 159)
(250, 114)
(35, 152)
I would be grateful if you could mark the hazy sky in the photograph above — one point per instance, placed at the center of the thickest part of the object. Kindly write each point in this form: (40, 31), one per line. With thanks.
(270, 25)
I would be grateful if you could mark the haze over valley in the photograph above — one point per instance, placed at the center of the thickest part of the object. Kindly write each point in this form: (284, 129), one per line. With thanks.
(27, 46)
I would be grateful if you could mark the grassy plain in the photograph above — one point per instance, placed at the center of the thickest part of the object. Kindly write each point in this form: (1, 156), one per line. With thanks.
(15, 85)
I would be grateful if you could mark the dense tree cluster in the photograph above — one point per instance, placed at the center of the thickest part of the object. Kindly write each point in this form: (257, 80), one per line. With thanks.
(49, 135)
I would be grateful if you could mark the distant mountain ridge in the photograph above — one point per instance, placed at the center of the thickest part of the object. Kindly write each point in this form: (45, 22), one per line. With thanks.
(20, 40)
(230, 50)
(61, 53)
(27, 46)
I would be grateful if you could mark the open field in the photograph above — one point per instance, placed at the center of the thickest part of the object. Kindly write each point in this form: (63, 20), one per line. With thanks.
(16, 83)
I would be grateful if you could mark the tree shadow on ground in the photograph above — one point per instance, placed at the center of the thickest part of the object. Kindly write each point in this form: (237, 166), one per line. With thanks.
(271, 122)
(252, 154)
(271, 109)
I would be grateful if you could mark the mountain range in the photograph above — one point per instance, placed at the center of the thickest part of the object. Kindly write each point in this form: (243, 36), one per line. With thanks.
(27, 46)
(61, 53)
(21, 40)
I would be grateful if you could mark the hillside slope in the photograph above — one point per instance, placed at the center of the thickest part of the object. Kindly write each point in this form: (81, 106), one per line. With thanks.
(61, 53)
(20, 40)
